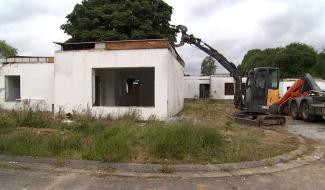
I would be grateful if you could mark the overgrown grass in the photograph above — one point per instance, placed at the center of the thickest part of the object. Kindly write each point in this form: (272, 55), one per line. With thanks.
(182, 141)
(127, 139)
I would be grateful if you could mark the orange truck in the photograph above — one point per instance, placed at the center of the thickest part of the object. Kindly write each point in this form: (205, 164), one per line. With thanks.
(304, 100)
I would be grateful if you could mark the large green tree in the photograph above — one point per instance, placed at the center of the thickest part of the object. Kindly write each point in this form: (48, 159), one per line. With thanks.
(294, 60)
(208, 66)
(319, 69)
(96, 20)
(6, 50)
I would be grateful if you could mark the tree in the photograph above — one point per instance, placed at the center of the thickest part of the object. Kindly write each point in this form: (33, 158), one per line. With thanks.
(208, 66)
(319, 69)
(99, 20)
(6, 50)
(294, 60)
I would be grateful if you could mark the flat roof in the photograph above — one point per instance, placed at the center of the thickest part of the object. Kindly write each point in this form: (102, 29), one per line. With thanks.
(122, 45)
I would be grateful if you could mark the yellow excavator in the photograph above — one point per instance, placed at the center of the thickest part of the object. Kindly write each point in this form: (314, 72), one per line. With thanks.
(261, 90)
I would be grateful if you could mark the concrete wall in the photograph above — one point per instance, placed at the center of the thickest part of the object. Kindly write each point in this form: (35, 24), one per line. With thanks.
(74, 74)
(218, 87)
(36, 84)
(192, 86)
(175, 74)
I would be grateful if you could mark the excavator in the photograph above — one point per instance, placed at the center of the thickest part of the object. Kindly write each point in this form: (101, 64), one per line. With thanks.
(259, 103)
(261, 90)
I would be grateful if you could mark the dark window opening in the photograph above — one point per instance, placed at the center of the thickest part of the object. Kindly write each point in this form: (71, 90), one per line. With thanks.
(122, 87)
(12, 88)
(230, 91)
(204, 91)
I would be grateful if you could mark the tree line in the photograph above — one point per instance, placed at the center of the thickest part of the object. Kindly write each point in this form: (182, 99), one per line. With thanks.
(293, 60)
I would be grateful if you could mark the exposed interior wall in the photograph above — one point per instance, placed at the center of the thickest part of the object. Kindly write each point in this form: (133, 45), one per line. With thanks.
(12, 88)
(124, 87)
(36, 85)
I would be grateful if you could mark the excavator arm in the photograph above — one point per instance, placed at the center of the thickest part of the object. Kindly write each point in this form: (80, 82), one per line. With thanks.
(229, 66)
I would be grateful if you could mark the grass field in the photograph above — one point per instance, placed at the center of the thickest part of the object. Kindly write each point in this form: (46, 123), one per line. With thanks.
(204, 133)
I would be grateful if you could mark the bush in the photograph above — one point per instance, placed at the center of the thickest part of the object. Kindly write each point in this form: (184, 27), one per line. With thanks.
(181, 140)
(114, 143)
(22, 143)
(33, 119)
(6, 121)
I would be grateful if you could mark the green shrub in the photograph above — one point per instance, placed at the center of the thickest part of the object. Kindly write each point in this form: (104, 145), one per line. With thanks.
(114, 143)
(6, 121)
(54, 144)
(181, 140)
(88, 127)
(22, 143)
(33, 119)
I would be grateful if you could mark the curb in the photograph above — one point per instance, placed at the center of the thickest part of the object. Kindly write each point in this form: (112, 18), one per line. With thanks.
(278, 163)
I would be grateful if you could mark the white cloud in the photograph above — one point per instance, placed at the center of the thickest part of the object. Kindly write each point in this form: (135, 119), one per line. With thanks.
(231, 26)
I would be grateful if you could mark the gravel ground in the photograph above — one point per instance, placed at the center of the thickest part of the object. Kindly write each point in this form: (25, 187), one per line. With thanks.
(314, 131)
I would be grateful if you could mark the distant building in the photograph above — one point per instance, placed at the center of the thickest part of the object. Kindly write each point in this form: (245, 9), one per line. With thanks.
(215, 87)
(221, 87)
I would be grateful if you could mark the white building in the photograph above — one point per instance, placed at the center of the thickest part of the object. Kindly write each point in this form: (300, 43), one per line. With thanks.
(221, 87)
(27, 81)
(102, 77)
(214, 87)
(197, 87)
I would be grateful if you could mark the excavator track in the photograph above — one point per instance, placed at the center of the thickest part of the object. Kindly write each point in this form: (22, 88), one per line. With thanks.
(259, 120)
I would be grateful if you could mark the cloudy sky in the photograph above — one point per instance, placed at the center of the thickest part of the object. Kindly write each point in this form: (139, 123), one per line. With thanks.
(231, 26)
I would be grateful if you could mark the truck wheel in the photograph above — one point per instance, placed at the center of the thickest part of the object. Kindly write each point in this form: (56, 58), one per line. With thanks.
(294, 111)
(304, 112)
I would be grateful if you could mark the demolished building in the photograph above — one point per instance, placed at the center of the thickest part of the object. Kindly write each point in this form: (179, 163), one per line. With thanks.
(105, 78)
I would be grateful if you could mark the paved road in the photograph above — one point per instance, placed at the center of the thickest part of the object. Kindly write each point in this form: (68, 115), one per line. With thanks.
(311, 130)
(306, 177)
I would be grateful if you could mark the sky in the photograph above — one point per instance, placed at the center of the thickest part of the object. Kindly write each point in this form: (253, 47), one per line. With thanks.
(231, 26)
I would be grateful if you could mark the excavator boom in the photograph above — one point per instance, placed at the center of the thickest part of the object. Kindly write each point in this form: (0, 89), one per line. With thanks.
(229, 66)
(254, 109)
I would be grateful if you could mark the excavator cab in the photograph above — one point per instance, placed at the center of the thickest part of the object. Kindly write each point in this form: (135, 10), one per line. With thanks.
(262, 89)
